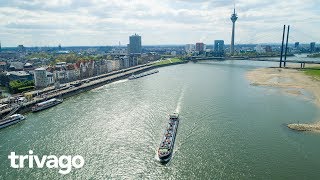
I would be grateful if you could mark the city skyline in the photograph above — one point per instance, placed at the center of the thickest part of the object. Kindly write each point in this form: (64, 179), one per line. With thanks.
(100, 23)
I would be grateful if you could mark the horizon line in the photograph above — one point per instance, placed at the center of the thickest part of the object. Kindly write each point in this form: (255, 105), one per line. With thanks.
(50, 46)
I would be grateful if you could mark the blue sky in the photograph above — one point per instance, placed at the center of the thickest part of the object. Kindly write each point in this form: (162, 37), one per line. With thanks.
(106, 22)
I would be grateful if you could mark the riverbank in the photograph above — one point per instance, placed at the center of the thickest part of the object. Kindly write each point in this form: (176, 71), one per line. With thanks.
(88, 84)
(91, 83)
(168, 62)
(293, 81)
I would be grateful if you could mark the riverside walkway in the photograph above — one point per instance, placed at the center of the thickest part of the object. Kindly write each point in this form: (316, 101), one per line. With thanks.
(68, 90)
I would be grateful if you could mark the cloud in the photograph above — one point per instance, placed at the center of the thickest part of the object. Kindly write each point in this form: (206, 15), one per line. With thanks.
(106, 22)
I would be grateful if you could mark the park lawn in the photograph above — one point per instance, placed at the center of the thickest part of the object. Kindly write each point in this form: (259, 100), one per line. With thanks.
(168, 61)
(314, 72)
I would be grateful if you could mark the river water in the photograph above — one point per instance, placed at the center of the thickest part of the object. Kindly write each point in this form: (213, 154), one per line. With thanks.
(228, 129)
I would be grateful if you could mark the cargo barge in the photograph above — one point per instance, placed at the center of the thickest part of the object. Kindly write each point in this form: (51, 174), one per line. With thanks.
(165, 149)
(46, 104)
(143, 74)
(13, 119)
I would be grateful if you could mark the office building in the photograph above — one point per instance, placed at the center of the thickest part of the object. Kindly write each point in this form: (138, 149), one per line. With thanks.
(312, 46)
(218, 48)
(268, 48)
(40, 78)
(21, 49)
(134, 46)
(189, 48)
(200, 47)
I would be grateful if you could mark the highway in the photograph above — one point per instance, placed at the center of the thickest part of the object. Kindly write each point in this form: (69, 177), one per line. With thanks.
(68, 89)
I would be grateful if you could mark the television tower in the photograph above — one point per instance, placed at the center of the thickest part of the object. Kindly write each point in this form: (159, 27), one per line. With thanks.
(233, 18)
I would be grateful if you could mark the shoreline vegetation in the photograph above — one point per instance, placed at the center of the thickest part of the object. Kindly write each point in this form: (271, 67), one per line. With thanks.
(169, 61)
(317, 55)
(16, 87)
(292, 81)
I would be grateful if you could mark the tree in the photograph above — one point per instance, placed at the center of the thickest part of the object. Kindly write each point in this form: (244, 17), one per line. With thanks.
(20, 86)
(4, 80)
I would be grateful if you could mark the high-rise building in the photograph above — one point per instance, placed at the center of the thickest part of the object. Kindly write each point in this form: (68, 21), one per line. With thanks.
(260, 49)
(134, 46)
(21, 49)
(296, 45)
(312, 46)
(40, 78)
(200, 47)
(189, 48)
(268, 48)
(218, 48)
(233, 18)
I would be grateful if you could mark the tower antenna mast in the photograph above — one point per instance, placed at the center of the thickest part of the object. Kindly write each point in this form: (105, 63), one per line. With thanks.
(233, 18)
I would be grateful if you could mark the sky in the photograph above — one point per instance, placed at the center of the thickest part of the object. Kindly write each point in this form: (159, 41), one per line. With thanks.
(159, 22)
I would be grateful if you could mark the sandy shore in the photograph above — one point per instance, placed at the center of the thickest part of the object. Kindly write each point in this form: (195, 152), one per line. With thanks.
(293, 81)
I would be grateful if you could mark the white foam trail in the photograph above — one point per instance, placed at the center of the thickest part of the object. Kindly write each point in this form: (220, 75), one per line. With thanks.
(180, 99)
(106, 85)
(120, 81)
(156, 157)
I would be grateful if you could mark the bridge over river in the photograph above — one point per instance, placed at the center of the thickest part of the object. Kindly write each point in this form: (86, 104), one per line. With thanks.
(301, 62)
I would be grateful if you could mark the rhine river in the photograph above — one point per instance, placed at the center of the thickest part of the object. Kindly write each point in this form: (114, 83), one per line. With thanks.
(228, 129)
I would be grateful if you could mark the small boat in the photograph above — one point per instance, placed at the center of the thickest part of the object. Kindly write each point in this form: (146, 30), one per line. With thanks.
(46, 104)
(143, 74)
(165, 149)
(132, 77)
(13, 119)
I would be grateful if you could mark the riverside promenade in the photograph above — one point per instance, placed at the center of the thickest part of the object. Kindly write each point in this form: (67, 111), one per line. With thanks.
(69, 90)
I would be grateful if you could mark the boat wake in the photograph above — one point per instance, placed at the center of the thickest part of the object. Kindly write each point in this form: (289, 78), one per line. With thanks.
(167, 155)
(156, 157)
(107, 85)
(180, 99)
(120, 81)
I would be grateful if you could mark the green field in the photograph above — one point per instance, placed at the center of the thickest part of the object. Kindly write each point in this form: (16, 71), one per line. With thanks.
(167, 61)
(314, 72)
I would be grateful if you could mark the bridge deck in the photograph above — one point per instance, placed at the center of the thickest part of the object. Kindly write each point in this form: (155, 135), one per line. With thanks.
(288, 61)
(258, 59)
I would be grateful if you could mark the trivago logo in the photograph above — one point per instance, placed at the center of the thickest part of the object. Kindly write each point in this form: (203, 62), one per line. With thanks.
(64, 163)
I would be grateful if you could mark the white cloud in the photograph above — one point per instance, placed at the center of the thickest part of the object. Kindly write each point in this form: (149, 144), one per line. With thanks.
(106, 22)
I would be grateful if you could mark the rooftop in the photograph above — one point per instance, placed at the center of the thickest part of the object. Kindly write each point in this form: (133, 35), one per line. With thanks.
(40, 69)
(18, 73)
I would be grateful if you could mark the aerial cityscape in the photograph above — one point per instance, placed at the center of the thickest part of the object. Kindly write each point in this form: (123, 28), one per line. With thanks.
(159, 90)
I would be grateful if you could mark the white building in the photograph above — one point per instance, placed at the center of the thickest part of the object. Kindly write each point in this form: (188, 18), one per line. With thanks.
(109, 65)
(40, 78)
(189, 48)
(60, 75)
(50, 78)
(72, 74)
(117, 51)
(61, 64)
(260, 49)
(126, 62)
(115, 65)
